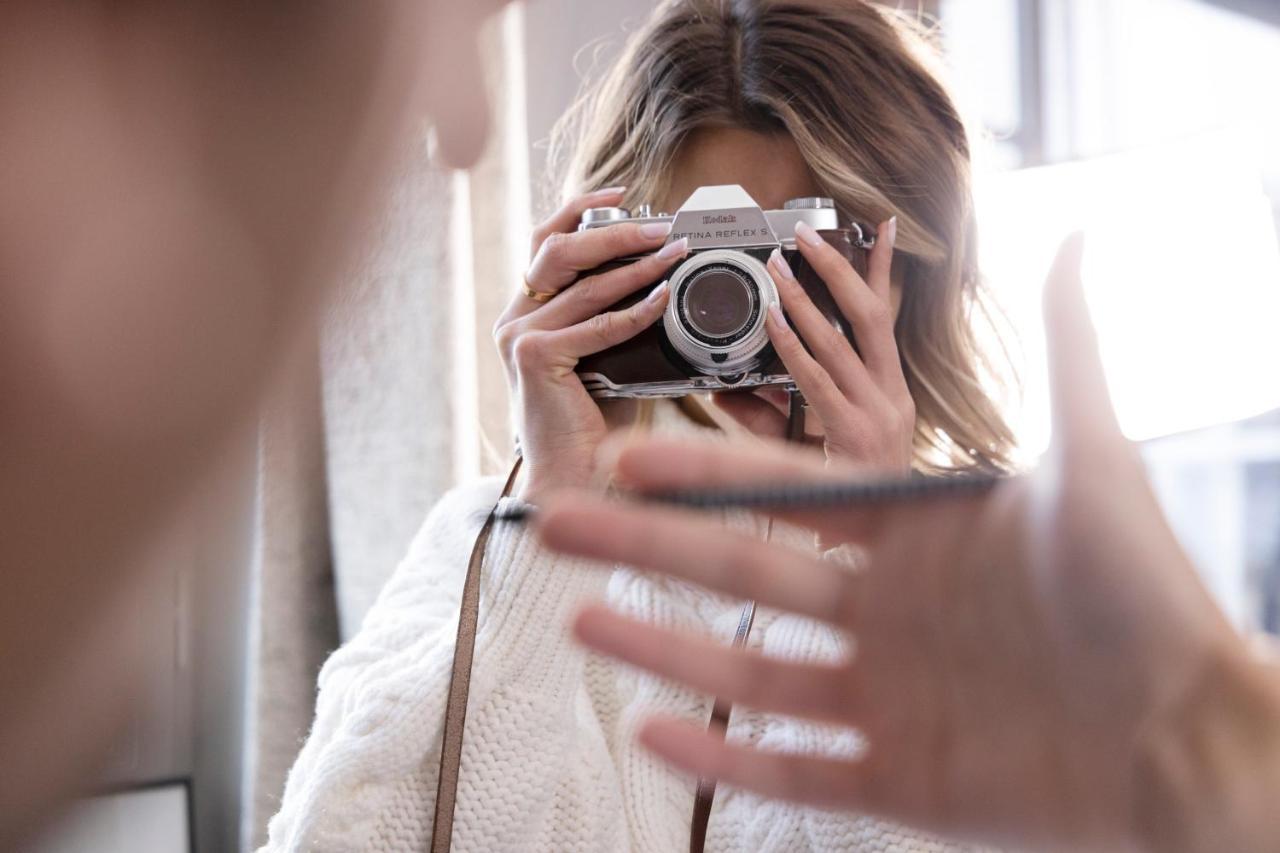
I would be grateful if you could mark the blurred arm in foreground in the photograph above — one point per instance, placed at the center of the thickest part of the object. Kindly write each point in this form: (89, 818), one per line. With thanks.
(178, 185)
(1038, 666)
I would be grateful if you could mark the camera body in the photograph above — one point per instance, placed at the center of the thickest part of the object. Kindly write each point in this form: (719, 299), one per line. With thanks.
(712, 336)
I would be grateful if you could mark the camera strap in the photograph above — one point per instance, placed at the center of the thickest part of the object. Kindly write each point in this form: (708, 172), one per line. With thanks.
(722, 708)
(455, 714)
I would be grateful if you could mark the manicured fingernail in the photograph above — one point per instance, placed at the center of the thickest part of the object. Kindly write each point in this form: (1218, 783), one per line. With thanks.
(778, 320)
(806, 233)
(890, 231)
(610, 191)
(654, 230)
(673, 250)
(656, 294)
(780, 264)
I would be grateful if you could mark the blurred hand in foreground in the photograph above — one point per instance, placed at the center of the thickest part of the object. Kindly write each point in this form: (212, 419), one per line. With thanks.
(1036, 666)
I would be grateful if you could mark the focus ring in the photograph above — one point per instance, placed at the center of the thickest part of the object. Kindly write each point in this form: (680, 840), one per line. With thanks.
(734, 356)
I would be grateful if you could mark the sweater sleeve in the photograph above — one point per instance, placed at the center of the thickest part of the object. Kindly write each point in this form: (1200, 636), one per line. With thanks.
(366, 775)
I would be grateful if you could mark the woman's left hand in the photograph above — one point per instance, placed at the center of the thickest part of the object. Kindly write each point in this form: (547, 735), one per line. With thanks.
(861, 402)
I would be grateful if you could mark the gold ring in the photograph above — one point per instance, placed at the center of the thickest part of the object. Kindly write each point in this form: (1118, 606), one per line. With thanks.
(536, 295)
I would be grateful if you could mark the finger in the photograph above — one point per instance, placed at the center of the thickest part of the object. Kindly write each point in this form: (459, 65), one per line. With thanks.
(816, 691)
(1078, 387)
(828, 345)
(759, 416)
(880, 261)
(700, 550)
(663, 464)
(870, 316)
(590, 296)
(563, 257)
(563, 221)
(816, 781)
(611, 328)
(822, 392)
(656, 465)
(568, 217)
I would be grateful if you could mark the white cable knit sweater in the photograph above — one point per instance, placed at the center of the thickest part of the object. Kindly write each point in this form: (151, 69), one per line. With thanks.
(549, 761)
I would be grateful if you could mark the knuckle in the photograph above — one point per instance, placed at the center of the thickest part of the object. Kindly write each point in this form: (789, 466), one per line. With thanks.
(637, 316)
(828, 389)
(789, 341)
(587, 290)
(833, 339)
(829, 263)
(894, 423)
(540, 235)
(819, 380)
(878, 313)
(601, 326)
(504, 335)
(527, 349)
(555, 248)
(907, 411)
(618, 240)
(804, 370)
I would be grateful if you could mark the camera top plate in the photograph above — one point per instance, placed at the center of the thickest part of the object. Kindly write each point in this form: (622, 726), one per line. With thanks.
(727, 217)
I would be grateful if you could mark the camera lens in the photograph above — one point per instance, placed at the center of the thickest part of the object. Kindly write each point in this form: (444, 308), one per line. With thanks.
(719, 303)
(715, 317)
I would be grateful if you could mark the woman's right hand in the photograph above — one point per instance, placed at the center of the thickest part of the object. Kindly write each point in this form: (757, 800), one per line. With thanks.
(559, 425)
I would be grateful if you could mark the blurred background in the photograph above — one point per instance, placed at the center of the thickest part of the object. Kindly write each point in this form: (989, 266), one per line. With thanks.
(1151, 124)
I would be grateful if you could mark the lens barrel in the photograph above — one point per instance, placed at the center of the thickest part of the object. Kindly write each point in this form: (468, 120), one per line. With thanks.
(715, 317)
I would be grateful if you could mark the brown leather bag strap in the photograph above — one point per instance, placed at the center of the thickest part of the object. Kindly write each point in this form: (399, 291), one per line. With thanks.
(718, 725)
(455, 714)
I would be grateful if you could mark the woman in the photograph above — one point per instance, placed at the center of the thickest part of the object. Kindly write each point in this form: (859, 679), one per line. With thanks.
(824, 98)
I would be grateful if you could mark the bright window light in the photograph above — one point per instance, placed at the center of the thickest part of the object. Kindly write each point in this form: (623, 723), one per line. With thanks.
(1182, 273)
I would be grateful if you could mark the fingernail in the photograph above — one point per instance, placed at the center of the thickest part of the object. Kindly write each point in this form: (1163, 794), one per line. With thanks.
(673, 250)
(781, 322)
(891, 231)
(656, 294)
(654, 230)
(610, 191)
(805, 232)
(780, 264)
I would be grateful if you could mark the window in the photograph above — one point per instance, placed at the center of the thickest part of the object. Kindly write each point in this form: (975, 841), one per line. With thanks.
(1153, 124)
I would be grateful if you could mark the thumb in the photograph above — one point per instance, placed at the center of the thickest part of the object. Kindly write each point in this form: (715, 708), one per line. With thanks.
(1081, 404)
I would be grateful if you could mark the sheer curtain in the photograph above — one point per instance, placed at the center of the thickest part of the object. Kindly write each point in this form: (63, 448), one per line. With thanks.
(399, 398)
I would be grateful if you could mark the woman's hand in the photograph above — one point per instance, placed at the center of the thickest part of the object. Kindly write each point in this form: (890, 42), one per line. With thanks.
(559, 424)
(1038, 666)
(864, 411)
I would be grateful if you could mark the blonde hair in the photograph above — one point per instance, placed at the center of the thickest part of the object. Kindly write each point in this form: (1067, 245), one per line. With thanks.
(854, 87)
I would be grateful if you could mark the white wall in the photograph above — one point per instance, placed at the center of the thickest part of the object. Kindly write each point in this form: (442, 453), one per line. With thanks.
(564, 41)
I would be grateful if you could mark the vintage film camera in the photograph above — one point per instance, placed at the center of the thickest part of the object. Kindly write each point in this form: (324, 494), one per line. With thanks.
(712, 336)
